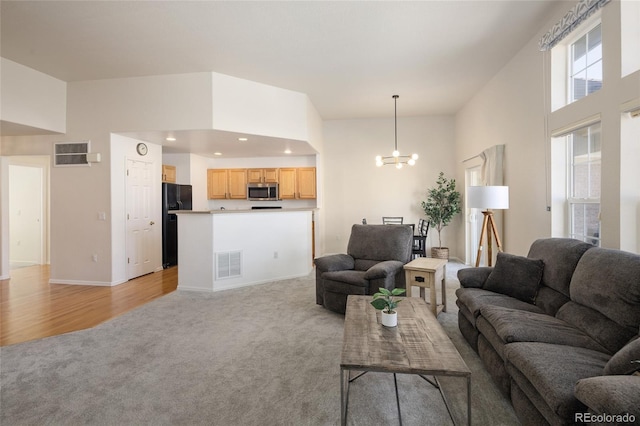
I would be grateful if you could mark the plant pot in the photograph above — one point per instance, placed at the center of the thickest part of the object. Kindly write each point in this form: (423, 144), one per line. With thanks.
(440, 252)
(389, 319)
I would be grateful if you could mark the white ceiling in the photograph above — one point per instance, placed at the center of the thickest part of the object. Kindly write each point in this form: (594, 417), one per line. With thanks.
(350, 57)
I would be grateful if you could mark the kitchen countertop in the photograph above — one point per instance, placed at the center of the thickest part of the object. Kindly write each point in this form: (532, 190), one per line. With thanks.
(242, 211)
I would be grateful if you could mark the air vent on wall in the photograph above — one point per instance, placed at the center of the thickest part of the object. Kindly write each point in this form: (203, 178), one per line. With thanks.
(228, 264)
(71, 153)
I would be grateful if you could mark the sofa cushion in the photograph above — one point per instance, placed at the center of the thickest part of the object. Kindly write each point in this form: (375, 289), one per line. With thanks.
(521, 326)
(475, 298)
(552, 371)
(364, 264)
(550, 300)
(622, 362)
(614, 395)
(515, 276)
(492, 338)
(336, 279)
(603, 330)
(560, 257)
(608, 282)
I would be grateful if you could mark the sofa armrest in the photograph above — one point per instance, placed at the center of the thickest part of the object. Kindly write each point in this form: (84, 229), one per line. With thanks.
(474, 277)
(383, 269)
(335, 262)
(617, 395)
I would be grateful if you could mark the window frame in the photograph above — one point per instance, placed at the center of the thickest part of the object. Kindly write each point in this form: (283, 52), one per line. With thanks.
(572, 200)
(587, 27)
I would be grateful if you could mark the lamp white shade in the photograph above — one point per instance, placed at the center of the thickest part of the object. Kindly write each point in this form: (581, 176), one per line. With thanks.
(488, 197)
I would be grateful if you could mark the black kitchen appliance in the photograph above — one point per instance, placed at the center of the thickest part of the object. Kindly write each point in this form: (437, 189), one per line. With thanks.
(174, 197)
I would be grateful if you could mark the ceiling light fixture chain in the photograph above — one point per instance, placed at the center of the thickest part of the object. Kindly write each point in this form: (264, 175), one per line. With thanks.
(396, 159)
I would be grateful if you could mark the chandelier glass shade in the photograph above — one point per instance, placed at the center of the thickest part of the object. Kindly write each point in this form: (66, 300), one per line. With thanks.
(395, 158)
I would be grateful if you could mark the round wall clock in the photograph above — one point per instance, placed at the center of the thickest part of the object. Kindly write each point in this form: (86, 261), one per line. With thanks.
(142, 149)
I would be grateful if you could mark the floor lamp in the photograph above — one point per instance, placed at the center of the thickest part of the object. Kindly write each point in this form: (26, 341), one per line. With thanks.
(488, 198)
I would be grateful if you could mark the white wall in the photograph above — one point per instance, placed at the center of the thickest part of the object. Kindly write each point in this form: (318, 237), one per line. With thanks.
(31, 98)
(245, 106)
(354, 188)
(161, 102)
(630, 189)
(274, 245)
(508, 112)
(510, 109)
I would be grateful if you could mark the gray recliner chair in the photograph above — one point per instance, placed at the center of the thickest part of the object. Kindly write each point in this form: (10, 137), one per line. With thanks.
(375, 258)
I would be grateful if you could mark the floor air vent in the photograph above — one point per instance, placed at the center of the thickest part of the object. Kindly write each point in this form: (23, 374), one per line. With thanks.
(228, 264)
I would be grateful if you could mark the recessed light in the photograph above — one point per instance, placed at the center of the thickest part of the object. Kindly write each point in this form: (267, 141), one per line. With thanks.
(243, 139)
(287, 151)
(170, 139)
(217, 153)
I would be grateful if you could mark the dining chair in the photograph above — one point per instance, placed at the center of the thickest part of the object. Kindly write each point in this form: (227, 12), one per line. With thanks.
(392, 220)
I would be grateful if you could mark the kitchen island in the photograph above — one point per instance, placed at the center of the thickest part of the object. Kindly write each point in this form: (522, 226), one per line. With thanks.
(223, 249)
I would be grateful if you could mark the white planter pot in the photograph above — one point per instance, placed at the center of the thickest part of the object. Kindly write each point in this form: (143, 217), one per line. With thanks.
(389, 320)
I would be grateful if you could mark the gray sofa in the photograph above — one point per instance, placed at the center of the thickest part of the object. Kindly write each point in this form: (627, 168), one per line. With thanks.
(558, 330)
(375, 258)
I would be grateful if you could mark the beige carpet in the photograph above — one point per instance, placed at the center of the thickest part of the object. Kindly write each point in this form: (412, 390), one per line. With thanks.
(261, 355)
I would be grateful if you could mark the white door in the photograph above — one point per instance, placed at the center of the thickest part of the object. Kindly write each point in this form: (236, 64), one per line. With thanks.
(140, 226)
(26, 215)
(473, 177)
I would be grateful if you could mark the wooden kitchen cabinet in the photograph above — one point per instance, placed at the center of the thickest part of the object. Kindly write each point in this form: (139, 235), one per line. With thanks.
(262, 175)
(237, 184)
(298, 183)
(306, 177)
(168, 173)
(224, 184)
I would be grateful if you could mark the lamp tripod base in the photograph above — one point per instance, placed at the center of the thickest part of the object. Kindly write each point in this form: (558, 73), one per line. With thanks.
(488, 225)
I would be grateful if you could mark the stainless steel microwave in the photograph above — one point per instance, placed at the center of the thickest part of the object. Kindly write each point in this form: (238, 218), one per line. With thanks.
(262, 192)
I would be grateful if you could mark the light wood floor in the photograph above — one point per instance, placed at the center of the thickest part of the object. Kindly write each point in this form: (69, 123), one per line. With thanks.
(31, 308)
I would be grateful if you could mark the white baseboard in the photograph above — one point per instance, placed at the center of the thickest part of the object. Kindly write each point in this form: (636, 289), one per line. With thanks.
(77, 282)
(222, 287)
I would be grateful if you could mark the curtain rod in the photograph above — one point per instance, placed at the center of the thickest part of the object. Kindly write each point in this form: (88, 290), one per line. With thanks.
(471, 158)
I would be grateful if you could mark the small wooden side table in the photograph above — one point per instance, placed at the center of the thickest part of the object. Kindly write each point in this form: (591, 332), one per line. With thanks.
(424, 272)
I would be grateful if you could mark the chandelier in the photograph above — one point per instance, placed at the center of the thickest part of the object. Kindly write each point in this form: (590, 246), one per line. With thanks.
(395, 158)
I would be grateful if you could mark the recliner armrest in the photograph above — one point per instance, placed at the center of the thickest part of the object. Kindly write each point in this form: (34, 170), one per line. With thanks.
(617, 395)
(335, 262)
(383, 269)
(474, 277)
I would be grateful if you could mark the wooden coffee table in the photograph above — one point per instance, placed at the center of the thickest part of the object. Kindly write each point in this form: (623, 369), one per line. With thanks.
(418, 345)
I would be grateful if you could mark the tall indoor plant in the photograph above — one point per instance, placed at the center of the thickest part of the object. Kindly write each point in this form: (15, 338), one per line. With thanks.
(442, 204)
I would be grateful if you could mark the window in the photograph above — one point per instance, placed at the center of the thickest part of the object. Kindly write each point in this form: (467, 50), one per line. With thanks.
(585, 67)
(584, 169)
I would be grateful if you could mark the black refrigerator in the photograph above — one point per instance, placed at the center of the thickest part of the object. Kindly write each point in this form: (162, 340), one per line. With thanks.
(174, 197)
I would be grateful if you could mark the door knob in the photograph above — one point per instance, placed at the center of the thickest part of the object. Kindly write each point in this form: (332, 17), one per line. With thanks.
(152, 223)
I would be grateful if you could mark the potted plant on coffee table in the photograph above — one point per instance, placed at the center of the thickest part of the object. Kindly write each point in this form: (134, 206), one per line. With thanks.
(442, 204)
(387, 301)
